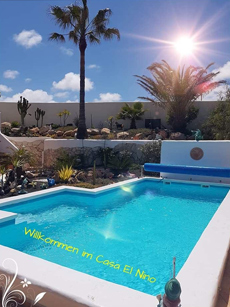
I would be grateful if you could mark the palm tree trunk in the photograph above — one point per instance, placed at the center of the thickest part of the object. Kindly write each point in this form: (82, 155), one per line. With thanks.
(133, 124)
(82, 132)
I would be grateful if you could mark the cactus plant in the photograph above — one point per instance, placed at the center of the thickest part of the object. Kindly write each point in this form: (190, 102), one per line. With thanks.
(42, 115)
(66, 114)
(23, 106)
(37, 115)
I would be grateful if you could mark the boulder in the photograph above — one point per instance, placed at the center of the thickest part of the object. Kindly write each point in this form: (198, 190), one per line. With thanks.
(29, 174)
(52, 132)
(163, 133)
(44, 130)
(105, 131)
(138, 136)
(16, 130)
(34, 130)
(69, 133)
(59, 133)
(122, 135)
(93, 131)
(6, 125)
(177, 136)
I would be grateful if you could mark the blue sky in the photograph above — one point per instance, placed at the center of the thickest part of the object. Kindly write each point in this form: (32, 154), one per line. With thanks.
(45, 71)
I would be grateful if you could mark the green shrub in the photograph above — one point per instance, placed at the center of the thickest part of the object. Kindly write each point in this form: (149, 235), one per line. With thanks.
(104, 154)
(55, 126)
(151, 152)
(217, 126)
(120, 162)
(15, 124)
(66, 159)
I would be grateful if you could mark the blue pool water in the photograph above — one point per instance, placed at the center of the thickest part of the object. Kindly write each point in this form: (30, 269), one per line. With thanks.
(141, 225)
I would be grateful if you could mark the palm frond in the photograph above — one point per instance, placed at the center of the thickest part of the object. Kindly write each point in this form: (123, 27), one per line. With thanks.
(57, 37)
(102, 17)
(110, 33)
(61, 16)
(74, 37)
(93, 38)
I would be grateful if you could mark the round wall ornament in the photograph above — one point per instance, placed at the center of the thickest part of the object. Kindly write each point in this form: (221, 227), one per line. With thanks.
(196, 153)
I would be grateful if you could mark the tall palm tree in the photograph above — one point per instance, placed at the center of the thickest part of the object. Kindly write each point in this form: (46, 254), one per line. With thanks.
(177, 89)
(82, 31)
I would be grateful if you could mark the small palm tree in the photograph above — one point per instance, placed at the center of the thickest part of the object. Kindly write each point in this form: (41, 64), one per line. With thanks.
(82, 31)
(176, 90)
(132, 112)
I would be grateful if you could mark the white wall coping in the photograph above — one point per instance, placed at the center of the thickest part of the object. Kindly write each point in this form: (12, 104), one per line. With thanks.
(199, 276)
(7, 216)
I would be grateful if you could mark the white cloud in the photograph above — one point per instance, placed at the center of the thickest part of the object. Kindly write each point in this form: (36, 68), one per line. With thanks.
(32, 96)
(72, 101)
(92, 66)
(27, 80)
(214, 94)
(4, 88)
(71, 82)
(10, 74)
(108, 97)
(66, 51)
(62, 95)
(224, 72)
(28, 39)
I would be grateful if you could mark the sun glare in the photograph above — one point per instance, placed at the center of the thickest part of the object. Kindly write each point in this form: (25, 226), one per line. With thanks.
(185, 46)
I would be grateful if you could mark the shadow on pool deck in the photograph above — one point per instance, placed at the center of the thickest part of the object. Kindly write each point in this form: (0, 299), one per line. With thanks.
(224, 290)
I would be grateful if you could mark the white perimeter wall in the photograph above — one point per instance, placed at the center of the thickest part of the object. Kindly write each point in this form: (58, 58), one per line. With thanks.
(216, 154)
(6, 145)
(100, 111)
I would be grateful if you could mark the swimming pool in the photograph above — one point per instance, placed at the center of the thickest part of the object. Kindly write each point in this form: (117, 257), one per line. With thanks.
(139, 227)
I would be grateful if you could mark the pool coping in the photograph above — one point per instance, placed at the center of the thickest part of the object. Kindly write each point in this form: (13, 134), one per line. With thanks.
(204, 265)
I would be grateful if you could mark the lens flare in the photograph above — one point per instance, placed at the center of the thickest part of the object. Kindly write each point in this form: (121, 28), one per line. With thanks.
(126, 189)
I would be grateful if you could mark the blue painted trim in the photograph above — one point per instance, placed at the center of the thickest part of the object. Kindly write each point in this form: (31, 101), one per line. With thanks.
(192, 170)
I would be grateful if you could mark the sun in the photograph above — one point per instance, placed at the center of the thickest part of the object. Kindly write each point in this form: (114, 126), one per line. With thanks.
(185, 46)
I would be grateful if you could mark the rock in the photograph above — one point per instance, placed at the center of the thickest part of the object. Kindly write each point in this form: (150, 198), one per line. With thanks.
(69, 133)
(177, 136)
(16, 130)
(122, 135)
(150, 137)
(6, 125)
(34, 130)
(59, 133)
(73, 180)
(52, 132)
(29, 174)
(138, 136)
(44, 130)
(105, 131)
(93, 131)
(163, 133)
(81, 176)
